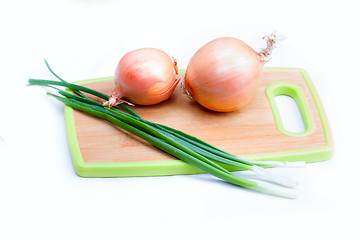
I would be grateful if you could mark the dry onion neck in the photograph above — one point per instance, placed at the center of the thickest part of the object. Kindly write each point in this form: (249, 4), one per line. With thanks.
(271, 41)
(175, 62)
(185, 89)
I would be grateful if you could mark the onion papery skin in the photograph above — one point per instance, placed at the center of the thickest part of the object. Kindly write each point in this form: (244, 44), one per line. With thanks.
(145, 76)
(224, 75)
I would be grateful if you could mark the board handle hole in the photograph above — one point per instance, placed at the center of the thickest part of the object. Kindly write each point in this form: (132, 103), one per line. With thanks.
(291, 111)
(290, 114)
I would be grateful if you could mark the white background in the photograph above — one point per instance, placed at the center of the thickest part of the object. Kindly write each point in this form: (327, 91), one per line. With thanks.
(42, 197)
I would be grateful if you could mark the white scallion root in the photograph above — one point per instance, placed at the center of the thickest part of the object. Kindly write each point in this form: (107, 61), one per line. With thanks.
(274, 178)
(274, 190)
(287, 164)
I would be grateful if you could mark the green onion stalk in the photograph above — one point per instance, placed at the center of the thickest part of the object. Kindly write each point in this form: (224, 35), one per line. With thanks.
(174, 142)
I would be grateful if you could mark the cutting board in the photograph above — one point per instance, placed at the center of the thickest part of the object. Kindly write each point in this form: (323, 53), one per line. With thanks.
(100, 149)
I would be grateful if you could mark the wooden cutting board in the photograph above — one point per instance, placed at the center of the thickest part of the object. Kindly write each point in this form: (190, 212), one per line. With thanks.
(100, 149)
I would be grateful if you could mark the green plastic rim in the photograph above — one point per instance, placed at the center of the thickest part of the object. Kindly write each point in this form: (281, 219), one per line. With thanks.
(178, 167)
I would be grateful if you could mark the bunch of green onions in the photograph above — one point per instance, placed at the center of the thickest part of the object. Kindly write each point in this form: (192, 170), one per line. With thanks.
(174, 142)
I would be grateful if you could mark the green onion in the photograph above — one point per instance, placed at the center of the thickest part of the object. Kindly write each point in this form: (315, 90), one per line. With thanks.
(176, 143)
(179, 142)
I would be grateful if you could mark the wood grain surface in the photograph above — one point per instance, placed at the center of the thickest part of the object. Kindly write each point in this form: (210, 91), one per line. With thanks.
(251, 130)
